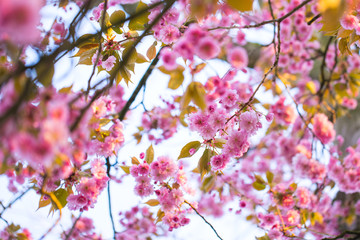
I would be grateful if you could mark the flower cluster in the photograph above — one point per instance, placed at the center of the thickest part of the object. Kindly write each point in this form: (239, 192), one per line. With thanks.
(83, 229)
(167, 180)
(138, 224)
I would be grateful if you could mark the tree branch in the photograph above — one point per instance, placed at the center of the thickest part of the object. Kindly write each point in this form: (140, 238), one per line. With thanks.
(203, 218)
(139, 86)
(343, 234)
(73, 227)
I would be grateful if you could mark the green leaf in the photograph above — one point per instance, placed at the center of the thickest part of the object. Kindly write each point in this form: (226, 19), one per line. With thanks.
(265, 237)
(198, 94)
(316, 217)
(130, 8)
(88, 39)
(204, 162)
(104, 121)
(269, 176)
(152, 202)
(208, 184)
(176, 78)
(141, 58)
(293, 187)
(85, 53)
(149, 156)
(126, 75)
(259, 186)
(133, 55)
(44, 202)
(185, 150)
(61, 195)
(344, 46)
(219, 142)
(66, 90)
(135, 161)
(139, 23)
(186, 99)
(241, 5)
(151, 52)
(159, 216)
(126, 169)
(259, 179)
(117, 18)
(45, 72)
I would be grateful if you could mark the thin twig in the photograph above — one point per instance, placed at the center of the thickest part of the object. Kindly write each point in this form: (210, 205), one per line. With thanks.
(102, 24)
(341, 235)
(142, 82)
(278, 20)
(73, 227)
(13, 201)
(314, 19)
(203, 218)
(58, 205)
(108, 167)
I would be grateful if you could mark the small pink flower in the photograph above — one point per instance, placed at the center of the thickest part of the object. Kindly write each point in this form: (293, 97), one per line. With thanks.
(108, 64)
(19, 20)
(169, 59)
(184, 48)
(269, 117)
(229, 99)
(218, 162)
(248, 121)
(349, 103)
(238, 57)
(169, 34)
(349, 22)
(323, 128)
(292, 217)
(207, 48)
(240, 38)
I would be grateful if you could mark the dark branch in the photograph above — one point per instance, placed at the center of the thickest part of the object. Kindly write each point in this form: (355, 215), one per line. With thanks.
(139, 86)
(203, 219)
(108, 167)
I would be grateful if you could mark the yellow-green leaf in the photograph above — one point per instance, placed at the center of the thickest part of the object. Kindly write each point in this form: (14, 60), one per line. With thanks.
(176, 78)
(344, 46)
(269, 176)
(149, 156)
(316, 217)
(259, 179)
(198, 94)
(259, 186)
(204, 162)
(241, 5)
(159, 216)
(125, 74)
(186, 99)
(45, 72)
(208, 184)
(135, 161)
(61, 195)
(151, 52)
(117, 18)
(311, 87)
(139, 23)
(152, 202)
(141, 58)
(126, 169)
(44, 202)
(185, 151)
